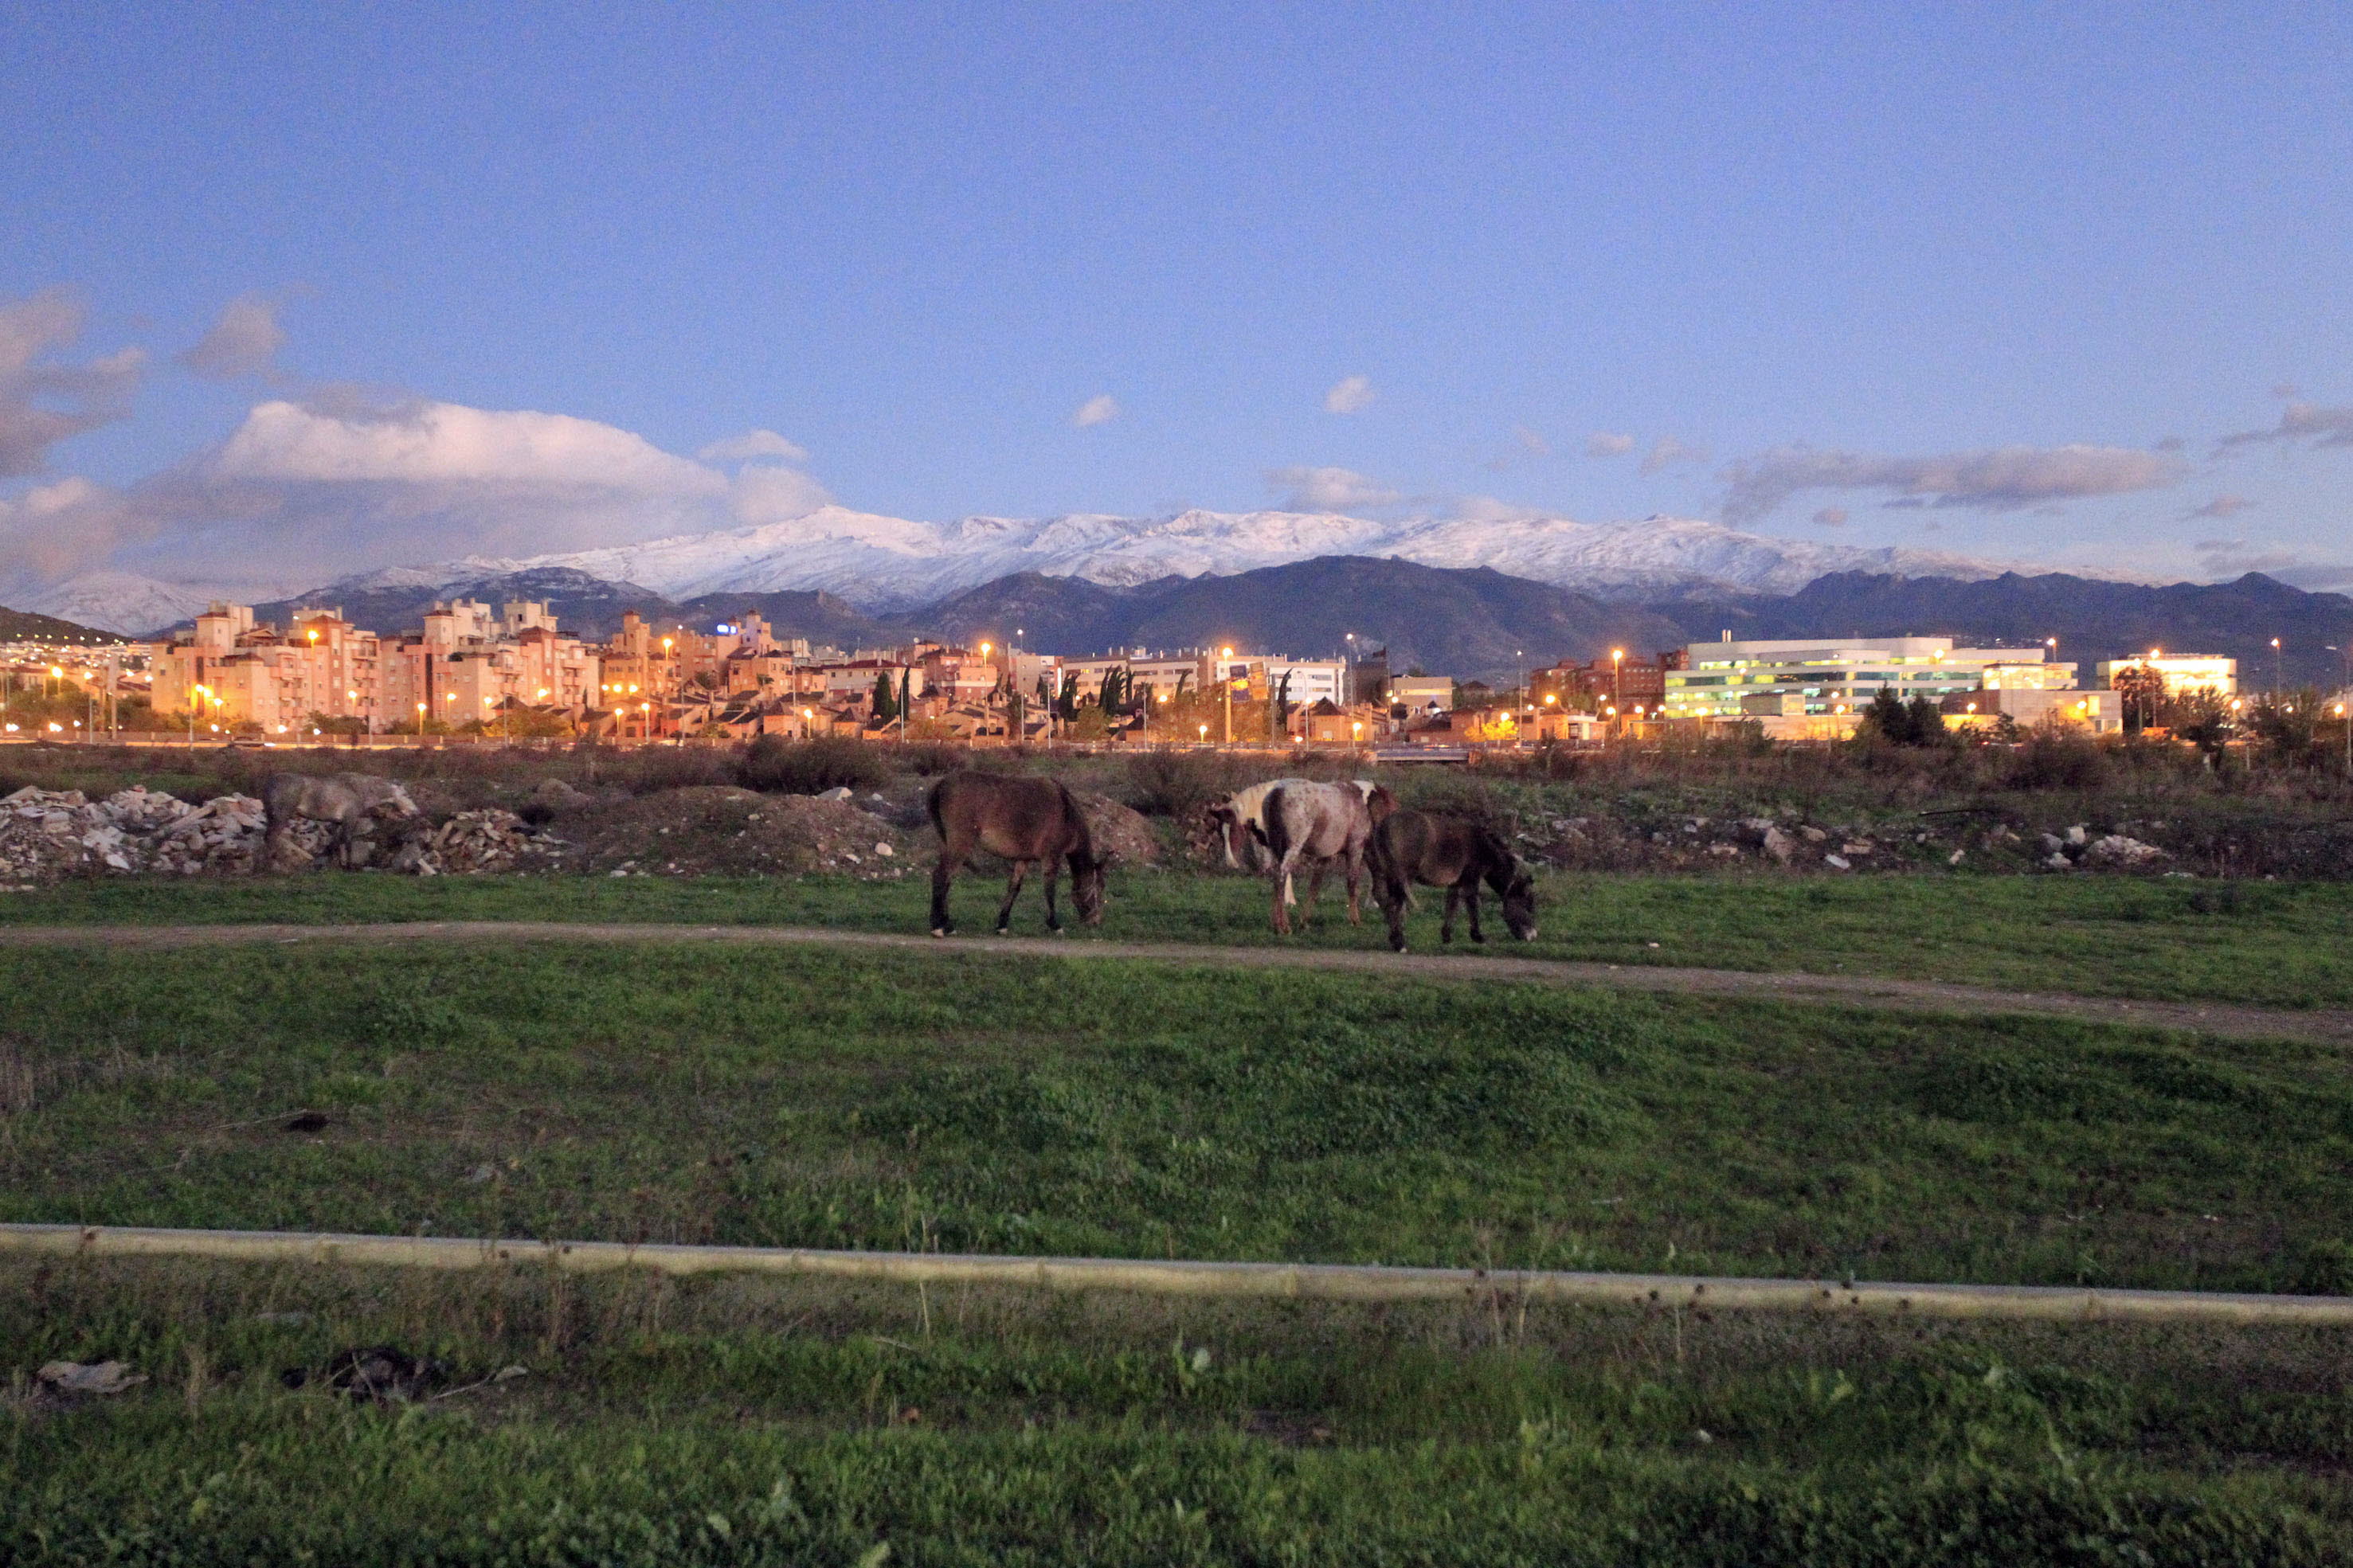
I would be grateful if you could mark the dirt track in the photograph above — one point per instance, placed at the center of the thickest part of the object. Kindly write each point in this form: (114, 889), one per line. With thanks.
(2328, 1027)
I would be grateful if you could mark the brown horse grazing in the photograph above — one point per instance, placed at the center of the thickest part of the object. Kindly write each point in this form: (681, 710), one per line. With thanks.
(1316, 825)
(1028, 822)
(1455, 854)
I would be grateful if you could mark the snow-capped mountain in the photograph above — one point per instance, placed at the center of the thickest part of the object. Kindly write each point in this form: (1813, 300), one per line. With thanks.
(887, 564)
(120, 602)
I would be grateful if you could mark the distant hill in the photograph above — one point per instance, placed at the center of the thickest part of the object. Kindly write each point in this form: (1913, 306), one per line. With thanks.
(23, 625)
(2092, 620)
(1464, 622)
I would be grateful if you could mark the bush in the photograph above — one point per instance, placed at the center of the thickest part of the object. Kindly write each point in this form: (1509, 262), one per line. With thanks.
(781, 766)
(1178, 784)
(2055, 758)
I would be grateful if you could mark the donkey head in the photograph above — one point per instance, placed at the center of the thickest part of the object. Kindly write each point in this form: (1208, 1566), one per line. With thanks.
(1087, 882)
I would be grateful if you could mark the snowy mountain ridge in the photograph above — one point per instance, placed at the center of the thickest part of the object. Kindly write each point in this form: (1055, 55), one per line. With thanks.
(888, 564)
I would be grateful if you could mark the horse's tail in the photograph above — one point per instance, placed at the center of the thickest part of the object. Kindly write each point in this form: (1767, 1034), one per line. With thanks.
(1277, 828)
(932, 806)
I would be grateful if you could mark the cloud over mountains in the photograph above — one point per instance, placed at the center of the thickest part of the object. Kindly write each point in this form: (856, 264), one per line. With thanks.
(2001, 479)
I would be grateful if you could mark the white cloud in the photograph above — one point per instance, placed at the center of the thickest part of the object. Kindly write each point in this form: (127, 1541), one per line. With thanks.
(2302, 423)
(769, 493)
(1100, 409)
(1669, 449)
(31, 330)
(1329, 489)
(1608, 443)
(1831, 517)
(1349, 395)
(2005, 479)
(753, 446)
(244, 342)
(2220, 506)
(310, 492)
(447, 443)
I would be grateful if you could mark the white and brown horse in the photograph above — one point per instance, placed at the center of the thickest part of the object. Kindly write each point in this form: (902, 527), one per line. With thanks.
(1318, 825)
(1240, 819)
(1025, 821)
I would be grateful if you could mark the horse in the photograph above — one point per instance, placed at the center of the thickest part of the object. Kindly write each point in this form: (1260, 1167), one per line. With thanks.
(1315, 825)
(1028, 822)
(1453, 853)
(353, 802)
(1240, 819)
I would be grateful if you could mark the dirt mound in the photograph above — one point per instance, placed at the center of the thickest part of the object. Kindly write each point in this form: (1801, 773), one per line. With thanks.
(1119, 831)
(723, 831)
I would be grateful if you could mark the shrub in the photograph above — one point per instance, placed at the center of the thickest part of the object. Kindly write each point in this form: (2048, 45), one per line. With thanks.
(781, 766)
(1178, 784)
(2055, 758)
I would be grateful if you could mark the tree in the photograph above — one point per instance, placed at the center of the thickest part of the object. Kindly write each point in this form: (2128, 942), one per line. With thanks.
(1066, 707)
(1281, 706)
(1887, 719)
(2140, 692)
(1927, 721)
(886, 698)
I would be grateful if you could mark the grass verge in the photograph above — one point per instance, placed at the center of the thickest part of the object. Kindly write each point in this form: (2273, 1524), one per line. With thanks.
(728, 1420)
(829, 1099)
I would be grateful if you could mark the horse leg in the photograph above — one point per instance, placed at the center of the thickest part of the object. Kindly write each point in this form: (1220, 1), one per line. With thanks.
(1283, 896)
(941, 875)
(1470, 901)
(1355, 867)
(1052, 866)
(1020, 871)
(1389, 891)
(1314, 888)
(1453, 898)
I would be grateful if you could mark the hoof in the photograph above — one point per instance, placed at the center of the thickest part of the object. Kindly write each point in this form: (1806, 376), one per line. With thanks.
(1397, 947)
(1476, 937)
(939, 930)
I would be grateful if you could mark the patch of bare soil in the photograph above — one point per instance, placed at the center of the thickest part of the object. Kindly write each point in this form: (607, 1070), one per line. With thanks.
(719, 830)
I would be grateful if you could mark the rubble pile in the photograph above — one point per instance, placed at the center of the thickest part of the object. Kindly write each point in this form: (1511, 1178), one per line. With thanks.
(45, 835)
(475, 841)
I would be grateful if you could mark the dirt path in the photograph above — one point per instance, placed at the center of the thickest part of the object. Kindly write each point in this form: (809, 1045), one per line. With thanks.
(2327, 1027)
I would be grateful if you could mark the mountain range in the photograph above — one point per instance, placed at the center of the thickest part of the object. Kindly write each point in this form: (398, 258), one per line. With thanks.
(1468, 596)
(888, 565)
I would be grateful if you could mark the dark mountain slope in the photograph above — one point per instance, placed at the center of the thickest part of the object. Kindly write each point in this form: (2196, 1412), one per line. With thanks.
(24, 625)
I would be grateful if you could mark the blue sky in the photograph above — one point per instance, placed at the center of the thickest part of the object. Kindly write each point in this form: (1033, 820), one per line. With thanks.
(2019, 269)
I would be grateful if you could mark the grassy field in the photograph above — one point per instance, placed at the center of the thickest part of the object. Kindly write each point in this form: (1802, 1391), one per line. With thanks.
(720, 1420)
(832, 1098)
(2279, 945)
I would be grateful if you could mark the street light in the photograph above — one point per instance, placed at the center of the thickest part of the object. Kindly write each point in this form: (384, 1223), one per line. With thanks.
(1226, 684)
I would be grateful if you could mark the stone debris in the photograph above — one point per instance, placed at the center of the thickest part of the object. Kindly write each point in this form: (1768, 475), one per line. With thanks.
(50, 835)
(2115, 850)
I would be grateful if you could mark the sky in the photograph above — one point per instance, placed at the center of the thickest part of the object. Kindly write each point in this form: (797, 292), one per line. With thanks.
(334, 286)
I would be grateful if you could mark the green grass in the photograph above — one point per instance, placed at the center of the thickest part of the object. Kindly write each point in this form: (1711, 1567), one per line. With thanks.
(2275, 945)
(718, 1420)
(832, 1098)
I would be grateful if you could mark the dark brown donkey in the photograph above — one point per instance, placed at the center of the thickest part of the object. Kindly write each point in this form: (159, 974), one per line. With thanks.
(1028, 822)
(1453, 853)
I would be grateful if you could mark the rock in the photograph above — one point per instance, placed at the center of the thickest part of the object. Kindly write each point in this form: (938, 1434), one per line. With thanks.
(2059, 862)
(1779, 845)
(1812, 835)
(882, 848)
(1857, 847)
(2078, 835)
(1957, 857)
(2115, 850)
(1838, 862)
(2051, 843)
(840, 791)
(558, 794)
(88, 1378)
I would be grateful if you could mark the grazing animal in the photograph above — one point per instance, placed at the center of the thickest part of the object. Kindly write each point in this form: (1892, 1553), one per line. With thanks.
(1316, 826)
(1241, 819)
(355, 803)
(1453, 853)
(1027, 822)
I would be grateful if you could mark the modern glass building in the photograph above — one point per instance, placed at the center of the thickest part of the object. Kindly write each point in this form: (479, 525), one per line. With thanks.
(1839, 677)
